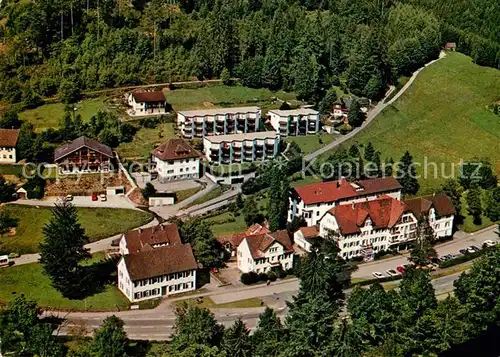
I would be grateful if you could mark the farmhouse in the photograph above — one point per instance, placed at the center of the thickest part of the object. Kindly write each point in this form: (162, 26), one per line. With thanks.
(8, 143)
(84, 155)
(238, 148)
(157, 272)
(219, 121)
(146, 103)
(295, 122)
(312, 201)
(176, 160)
(261, 253)
(146, 238)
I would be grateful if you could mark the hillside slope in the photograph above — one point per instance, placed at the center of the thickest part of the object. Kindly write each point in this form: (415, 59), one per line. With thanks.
(442, 116)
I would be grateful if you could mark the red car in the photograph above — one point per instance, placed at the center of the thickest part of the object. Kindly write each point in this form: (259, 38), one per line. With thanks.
(94, 197)
(401, 269)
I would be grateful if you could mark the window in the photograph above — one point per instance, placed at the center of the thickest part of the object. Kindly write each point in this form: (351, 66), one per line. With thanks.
(181, 169)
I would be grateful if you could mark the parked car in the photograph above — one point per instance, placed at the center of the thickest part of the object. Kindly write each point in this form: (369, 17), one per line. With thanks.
(4, 261)
(463, 251)
(94, 197)
(392, 272)
(103, 197)
(473, 249)
(401, 269)
(68, 198)
(489, 243)
(378, 275)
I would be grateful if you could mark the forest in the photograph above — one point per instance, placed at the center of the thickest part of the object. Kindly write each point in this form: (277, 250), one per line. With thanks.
(66, 47)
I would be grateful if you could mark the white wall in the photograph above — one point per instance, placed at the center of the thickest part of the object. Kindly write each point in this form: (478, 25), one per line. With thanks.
(299, 239)
(7, 155)
(154, 287)
(443, 227)
(177, 169)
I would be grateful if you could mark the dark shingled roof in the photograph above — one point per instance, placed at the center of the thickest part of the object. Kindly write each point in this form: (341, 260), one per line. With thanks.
(142, 97)
(258, 244)
(441, 203)
(139, 239)
(82, 141)
(160, 261)
(8, 137)
(175, 149)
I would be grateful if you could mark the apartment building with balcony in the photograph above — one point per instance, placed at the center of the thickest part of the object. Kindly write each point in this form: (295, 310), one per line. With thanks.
(239, 148)
(218, 121)
(295, 122)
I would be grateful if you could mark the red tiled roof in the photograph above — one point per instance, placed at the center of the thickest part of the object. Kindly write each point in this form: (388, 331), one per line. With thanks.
(138, 239)
(441, 203)
(450, 45)
(384, 212)
(342, 189)
(8, 137)
(160, 261)
(309, 232)
(175, 149)
(258, 244)
(142, 97)
(237, 238)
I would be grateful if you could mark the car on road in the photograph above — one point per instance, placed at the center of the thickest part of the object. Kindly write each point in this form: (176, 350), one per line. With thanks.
(103, 197)
(489, 243)
(472, 249)
(401, 269)
(378, 275)
(463, 251)
(392, 272)
(68, 198)
(94, 197)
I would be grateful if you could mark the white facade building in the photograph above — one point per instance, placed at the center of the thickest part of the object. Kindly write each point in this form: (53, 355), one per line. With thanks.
(8, 143)
(260, 253)
(306, 236)
(157, 272)
(176, 160)
(312, 201)
(145, 103)
(438, 209)
(238, 148)
(293, 122)
(219, 121)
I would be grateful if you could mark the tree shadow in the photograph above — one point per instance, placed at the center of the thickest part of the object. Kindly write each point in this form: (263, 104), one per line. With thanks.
(93, 278)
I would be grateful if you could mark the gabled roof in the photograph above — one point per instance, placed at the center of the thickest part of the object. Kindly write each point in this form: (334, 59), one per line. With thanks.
(235, 239)
(441, 203)
(144, 97)
(138, 240)
(175, 149)
(259, 244)
(332, 191)
(309, 232)
(81, 142)
(384, 212)
(8, 138)
(160, 261)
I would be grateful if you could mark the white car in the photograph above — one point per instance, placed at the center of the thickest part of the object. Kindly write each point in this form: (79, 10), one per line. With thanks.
(378, 275)
(103, 197)
(392, 272)
(489, 243)
(68, 198)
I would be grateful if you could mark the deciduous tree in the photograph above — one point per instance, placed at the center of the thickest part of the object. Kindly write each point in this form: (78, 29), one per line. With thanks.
(110, 339)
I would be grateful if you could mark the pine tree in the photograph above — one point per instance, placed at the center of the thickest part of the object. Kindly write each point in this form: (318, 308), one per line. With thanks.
(355, 116)
(407, 175)
(389, 167)
(369, 152)
(474, 204)
(268, 336)
(63, 249)
(278, 197)
(423, 252)
(237, 341)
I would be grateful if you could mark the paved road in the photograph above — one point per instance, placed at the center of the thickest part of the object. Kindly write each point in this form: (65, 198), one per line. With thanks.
(371, 114)
(82, 201)
(462, 240)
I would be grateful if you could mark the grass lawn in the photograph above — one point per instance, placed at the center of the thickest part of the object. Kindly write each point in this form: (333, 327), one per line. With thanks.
(442, 116)
(223, 96)
(208, 303)
(310, 143)
(216, 192)
(6, 169)
(220, 229)
(50, 115)
(145, 140)
(305, 181)
(29, 280)
(183, 194)
(468, 224)
(99, 223)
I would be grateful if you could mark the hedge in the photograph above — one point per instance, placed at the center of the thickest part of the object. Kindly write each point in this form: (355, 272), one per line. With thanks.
(465, 258)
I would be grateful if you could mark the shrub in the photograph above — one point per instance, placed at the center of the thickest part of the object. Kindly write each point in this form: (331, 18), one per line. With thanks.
(345, 128)
(263, 277)
(249, 278)
(272, 276)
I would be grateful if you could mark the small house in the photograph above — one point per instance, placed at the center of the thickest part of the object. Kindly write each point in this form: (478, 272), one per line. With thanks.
(8, 143)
